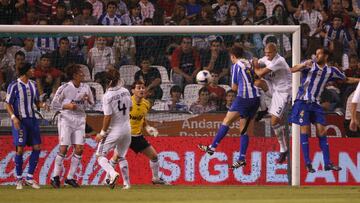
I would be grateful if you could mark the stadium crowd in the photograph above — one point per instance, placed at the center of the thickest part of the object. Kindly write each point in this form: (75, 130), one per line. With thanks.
(168, 64)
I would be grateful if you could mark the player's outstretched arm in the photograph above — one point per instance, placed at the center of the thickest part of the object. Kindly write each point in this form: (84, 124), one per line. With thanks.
(351, 80)
(301, 66)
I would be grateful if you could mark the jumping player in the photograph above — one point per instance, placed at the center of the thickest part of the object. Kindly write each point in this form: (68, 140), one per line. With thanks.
(244, 106)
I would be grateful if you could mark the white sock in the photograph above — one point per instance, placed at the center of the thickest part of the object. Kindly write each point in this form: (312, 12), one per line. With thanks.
(279, 132)
(154, 165)
(75, 161)
(58, 164)
(113, 164)
(124, 169)
(104, 163)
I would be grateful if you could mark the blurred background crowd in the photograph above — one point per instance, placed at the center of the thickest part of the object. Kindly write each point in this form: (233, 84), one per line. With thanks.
(168, 64)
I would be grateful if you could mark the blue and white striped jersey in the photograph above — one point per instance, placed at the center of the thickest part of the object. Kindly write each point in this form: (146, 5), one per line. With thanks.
(314, 79)
(22, 97)
(243, 76)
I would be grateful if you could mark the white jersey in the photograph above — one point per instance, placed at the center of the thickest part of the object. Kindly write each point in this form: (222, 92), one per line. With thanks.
(348, 105)
(117, 103)
(68, 93)
(280, 75)
(356, 97)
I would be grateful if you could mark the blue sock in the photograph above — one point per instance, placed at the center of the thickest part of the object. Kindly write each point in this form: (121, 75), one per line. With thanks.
(18, 165)
(304, 139)
(244, 142)
(220, 135)
(34, 158)
(324, 146)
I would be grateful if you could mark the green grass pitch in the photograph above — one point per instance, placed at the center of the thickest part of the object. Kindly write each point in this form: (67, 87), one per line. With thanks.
(183, 194)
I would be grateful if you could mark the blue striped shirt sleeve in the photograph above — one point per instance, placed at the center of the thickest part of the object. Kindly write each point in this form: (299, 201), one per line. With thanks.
(234, 74)
(10, 94)
(337, 74)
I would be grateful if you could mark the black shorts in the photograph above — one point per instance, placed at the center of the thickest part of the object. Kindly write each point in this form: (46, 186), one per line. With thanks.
(138, 143)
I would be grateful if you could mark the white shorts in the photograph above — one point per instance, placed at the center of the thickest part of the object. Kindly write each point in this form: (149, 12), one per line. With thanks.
(69, 134)
(279, 101)
(117, 139)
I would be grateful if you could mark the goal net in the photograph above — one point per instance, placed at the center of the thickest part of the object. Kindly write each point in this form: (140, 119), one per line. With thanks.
(130, 48)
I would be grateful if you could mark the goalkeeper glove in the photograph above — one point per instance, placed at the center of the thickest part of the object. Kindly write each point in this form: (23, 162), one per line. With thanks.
(151, 131)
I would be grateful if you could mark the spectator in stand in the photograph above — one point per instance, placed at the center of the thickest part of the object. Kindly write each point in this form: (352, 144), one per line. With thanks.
(205, 17)
(100, 56)
(60, 15)
(217, 93)
(203, 104)
(110, 17)
(192, 10)
(125, 50)
(122, 8)
(270, 5)
(178, 15)
(168, 6)
(98, 8)
(46, 8)
(229, 98)
(86, 17)
(152, 78)
(31, 17)
(354, 67)
(175, 103)
(47, 77)
(20, 10)
(220, 9)
(260, 14)
(291, 6)
(336, 9)
(135, 14)
(216, 59)
(281, 17)
(62, 56)
(6, 64)
(339, 41)
(307, 14)
(7, 12)
(32, 53)
(246, 8)
(185, 62)
(18, 63)
(147, 9)
(233, 15)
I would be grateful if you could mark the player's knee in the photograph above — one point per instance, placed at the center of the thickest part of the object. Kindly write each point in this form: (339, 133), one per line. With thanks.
(79, 150)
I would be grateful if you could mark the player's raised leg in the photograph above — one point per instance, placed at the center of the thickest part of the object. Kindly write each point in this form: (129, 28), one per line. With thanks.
(230, 117)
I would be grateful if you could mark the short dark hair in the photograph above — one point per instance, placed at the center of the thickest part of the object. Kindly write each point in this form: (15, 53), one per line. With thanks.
(137, 82)
(46, 55)
(237, 51)
(112, 77)
(338, 16)
(71, 70)
(19, 53)
(64, 39)
(175, 88)
(203, 89)
(111, 3)
(2, 42)
(231, 91)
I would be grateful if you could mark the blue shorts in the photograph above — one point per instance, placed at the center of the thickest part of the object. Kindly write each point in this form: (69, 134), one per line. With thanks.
(28, 134)
(304, 113)
(246, 107)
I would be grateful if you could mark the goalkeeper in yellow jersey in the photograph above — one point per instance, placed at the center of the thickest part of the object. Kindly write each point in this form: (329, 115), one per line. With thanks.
(139, 144)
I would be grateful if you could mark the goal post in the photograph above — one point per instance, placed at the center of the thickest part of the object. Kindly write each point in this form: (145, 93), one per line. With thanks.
(30, 30)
